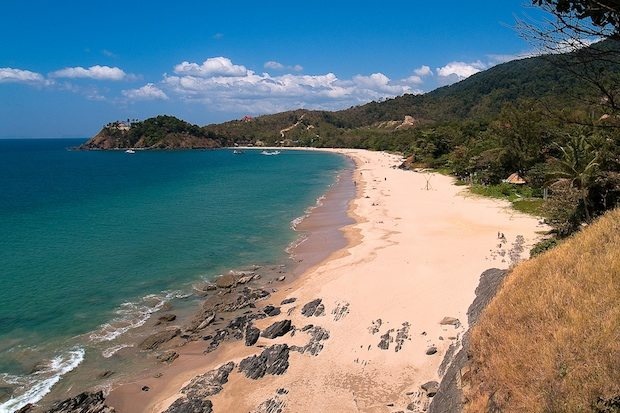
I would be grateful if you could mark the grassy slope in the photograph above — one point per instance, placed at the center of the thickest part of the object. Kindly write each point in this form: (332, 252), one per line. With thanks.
(550, 340)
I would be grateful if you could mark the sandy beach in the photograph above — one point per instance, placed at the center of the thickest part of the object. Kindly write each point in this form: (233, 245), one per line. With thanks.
(414, 256)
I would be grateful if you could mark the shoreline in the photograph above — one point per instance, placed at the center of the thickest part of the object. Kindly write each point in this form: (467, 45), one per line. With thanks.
(412, 258)
(103, 372)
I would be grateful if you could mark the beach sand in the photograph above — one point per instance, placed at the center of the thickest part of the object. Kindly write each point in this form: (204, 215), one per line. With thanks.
(414, 256)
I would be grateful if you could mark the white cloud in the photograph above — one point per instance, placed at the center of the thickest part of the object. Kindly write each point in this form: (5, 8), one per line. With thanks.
(215, 66)
(146, 92)
(413, 80)
(11, 75)
(272, 64)
(460, 70)
(231, 89)
(423, 71)
(94, 72)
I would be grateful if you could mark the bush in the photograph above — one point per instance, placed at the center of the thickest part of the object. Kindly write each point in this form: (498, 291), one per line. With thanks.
(543, 246)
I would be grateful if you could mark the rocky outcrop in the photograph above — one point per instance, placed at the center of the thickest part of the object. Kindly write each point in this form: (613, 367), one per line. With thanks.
(154, 341)
(83, 403)
(317, 336)
(273, 360)
(313, 308)
(251, 335)
(195, 394)
(190, 406)
(449, 394)
(277, 329)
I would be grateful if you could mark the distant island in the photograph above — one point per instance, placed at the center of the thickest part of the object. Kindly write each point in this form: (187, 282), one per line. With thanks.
(160, 132)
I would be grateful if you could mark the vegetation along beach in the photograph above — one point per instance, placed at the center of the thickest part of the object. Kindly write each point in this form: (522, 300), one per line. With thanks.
(254, 208)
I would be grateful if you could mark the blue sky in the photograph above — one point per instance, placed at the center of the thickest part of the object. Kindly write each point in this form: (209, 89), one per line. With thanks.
(69, 67)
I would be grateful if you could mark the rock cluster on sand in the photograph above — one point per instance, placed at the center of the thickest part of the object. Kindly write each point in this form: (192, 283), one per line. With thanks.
(83, 403)
(313, 308)
(195, 394)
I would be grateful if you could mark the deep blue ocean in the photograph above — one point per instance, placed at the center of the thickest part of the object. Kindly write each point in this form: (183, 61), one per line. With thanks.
(91, 242)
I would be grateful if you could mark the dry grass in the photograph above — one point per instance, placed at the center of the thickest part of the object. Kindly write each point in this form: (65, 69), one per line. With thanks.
(550, 340)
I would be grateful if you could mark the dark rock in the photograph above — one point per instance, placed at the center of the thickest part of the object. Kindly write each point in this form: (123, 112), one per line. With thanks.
(431, 350)
(277, 329)
(282, 391)
(154, 341)
(251, 335)
(449, 395)
(226, 281)
(166, 318)
(146, 388)
(386, 339)
(271, 310)
(217, 339)
(281, 278)
(317, 336)
(311, 308)
(208, 384)
(168, 356)
(105, 374)
(273, 360)
(307, 327)
(82, 403)
(288, 301)
(430, 387)
(184, 405)
(401, 335)
(246, 279)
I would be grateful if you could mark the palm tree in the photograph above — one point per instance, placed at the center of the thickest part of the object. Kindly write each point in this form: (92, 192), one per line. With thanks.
(579, 166)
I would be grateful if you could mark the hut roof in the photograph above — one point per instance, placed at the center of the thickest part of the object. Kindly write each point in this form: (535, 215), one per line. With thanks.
(516, 179)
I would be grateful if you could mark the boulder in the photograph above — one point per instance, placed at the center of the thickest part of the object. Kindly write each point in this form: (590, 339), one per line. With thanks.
(271, 310)
(311, 308)
(154, 341)
(273, 360)
(431, 350)
(208, 384)
(281, 278)
(84, 403)
(288, 300)
(450, 321)
(251, 335)
(430, 387)
(185, 405)
(226, 281)
(277, 329)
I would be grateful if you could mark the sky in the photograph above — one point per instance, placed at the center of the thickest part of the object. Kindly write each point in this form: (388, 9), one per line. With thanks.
(69, 67)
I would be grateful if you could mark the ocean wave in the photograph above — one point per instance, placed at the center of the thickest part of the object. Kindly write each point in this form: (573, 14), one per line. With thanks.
(109, 352)
(41, 382)
(132, 315)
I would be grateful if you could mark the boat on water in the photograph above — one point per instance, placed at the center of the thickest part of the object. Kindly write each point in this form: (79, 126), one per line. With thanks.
(130, 151)
(270, 153)
(237, 152)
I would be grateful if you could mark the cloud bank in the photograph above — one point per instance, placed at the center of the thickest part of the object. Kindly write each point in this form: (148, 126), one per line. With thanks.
(11, 75)
(146, 92)
(94, 72)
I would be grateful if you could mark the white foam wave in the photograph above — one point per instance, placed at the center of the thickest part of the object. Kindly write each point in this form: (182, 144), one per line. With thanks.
(132, 315)
(41, 382)
(109, 352)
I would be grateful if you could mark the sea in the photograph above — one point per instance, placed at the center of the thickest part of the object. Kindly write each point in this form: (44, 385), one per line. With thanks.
(94, 242)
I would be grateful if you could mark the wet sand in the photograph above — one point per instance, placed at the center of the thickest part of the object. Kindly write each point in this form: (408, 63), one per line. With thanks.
(413, 256)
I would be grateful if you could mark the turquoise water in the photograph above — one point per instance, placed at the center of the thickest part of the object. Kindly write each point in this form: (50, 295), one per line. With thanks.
(87, 238)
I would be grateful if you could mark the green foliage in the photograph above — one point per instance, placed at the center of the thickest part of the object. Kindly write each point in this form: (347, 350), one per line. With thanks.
(543, 246)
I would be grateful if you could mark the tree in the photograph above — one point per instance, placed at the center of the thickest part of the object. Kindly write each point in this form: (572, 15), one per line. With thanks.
(577, 167)
(574, 35)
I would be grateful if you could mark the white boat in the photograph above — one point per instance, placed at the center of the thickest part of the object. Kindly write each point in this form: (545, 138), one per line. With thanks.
(130, 151)
(237, 151)
(270, 153)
